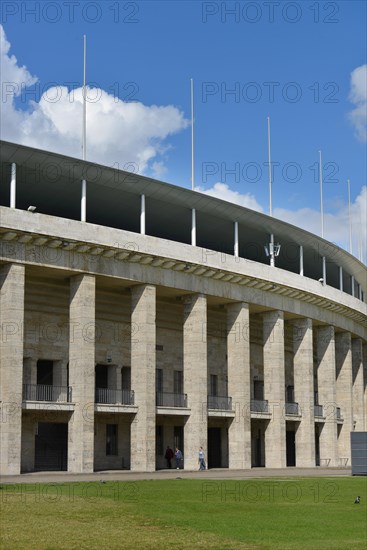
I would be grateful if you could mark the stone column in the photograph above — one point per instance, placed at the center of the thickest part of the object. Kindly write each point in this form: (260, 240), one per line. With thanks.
(143, 360)
(60, 373)
(274, 388)
(304, 392)
(358, 389)
(30, 371)
(114, 377)
(327, 394)
(239, 386)
(195, 378)
(12, 283)
(29, 424)
(343, 360)
(364, 356)
(82, 373)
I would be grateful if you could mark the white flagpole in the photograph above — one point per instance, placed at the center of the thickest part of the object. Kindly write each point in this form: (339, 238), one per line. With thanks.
(85, 100)
(321, 196)
(360, 246)
(192, 136)
(83, 206)
(270, 173)
(350, 220)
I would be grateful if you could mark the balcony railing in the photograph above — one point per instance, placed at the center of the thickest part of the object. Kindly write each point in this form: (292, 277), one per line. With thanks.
(292, 408)
(319, 411)
(165, 399)
(223, 403)
(42, 392)
(259, 405)
(109, 396)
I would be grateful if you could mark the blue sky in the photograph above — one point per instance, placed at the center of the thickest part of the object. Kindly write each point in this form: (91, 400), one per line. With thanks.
(301, 63)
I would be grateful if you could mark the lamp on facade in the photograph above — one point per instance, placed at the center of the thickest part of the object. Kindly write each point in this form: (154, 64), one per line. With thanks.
(272, 251)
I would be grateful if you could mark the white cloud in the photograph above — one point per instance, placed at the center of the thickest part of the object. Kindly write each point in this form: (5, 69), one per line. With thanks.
(358, 96)
(117, 132)
(158, 169)
(336, 225)
(222, 191)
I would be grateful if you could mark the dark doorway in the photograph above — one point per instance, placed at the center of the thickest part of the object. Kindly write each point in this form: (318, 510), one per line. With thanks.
(45, 372)
(214, 448)
(178, 438)
(258, 449)
(317, 444)
(259, 390)
(291, 448)
(101, 376)
(51, 449)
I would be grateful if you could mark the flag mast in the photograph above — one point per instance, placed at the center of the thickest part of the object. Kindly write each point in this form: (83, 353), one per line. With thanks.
(193, 210)
(84, 146)
(83, 214)
(350, 220)
(321, 196)
(270, 173)
(192, 136)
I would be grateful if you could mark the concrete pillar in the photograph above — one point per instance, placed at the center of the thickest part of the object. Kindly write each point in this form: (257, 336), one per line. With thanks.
(326, 376)
(304, 392)
(364, 356)
(29, 425)
(82, 373)
(143, 362)
(12, 283)
(343, 361)
(114, 379)
(60, 373)
(30, 370)
(238, 353)
(274, 388)
(358, 389)
(195, 378)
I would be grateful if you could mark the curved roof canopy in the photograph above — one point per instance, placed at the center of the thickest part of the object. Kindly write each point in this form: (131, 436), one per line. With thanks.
(51, 182)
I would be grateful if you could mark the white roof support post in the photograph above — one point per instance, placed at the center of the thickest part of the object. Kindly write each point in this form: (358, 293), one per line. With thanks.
(193, 227)
(271, 251)
(13, 185)
(83, 202)
(301, 260)
(142, 214)
(324, 270)
(340, 278)
(236, 243)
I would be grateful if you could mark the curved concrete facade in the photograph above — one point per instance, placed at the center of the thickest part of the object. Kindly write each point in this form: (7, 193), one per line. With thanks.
(166, 324)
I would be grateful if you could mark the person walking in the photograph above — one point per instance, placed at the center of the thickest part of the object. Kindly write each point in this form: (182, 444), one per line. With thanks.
(178, 457)
(202, 465)
(168, 456)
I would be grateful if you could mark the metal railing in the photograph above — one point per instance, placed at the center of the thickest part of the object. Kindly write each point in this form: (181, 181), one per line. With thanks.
(166, 399)
(259, 405)
(292, 408)
(109, 396)
(223, 403)
(318, 410)
(42, 392)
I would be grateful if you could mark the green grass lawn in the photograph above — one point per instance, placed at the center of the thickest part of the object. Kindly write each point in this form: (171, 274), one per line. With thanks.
(287, 514)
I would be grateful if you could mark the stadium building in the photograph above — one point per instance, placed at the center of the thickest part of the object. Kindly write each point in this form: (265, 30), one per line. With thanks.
(136, 315)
